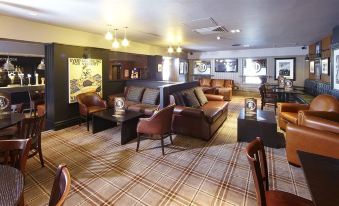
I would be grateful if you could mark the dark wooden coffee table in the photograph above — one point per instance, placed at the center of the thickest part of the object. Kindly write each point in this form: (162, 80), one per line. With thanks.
(263, 125)
(322, 175)
(109, 118)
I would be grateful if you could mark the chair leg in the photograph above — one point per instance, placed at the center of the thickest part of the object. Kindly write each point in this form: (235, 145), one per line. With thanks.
(41, 157)
(138, 143)
(262, 105)
(162, 145)
(87, 120)
(171, 138)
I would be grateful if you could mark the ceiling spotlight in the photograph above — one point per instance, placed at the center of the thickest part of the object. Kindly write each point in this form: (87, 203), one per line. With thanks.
(246, 45)
(33, 13)
(179, 49)
(115, 43)
(125, 41)
(170, 50)
(235, 30)
(108, 35)
(218, 37)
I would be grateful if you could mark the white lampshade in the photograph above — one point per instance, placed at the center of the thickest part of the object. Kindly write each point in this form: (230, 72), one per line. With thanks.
(41, 66)
(170, 50)
(115, 44)
(179, 49)
(8, 65)
(109, 35)
(125, 42)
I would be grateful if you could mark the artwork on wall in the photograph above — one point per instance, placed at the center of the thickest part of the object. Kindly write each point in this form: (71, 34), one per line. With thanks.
(335, 78)
(182, 68)
(285, 67)
(317, 68)
(202, 67)
(159, 67)
(226, 65)
(253, 70)
(84, 75)
(312, 67)
(325, 66)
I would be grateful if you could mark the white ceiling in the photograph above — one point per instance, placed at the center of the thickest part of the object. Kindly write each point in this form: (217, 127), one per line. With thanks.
(263, 23)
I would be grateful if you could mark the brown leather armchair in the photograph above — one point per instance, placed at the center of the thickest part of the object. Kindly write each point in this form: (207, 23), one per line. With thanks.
(288, 112)
(317, 132)
(88, 104)
(158, 126)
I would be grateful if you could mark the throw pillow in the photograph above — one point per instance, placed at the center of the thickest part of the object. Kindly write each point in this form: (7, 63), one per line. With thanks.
(150, 96)
(190, 99)
(135, 93)
(200, 96)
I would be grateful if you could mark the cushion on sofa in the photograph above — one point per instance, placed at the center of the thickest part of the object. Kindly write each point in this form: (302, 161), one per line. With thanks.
(135, 93)
(179, 98)
(200, 96)
(150, 96)
(204, 82)
(190, 99)
(217, 83)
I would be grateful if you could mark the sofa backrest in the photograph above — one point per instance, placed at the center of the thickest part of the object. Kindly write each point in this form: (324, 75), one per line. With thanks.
(206, 82)
(325, 102)
(145, 95)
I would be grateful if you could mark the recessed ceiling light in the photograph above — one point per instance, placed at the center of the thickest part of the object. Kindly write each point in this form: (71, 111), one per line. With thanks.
(33, 13)
(235, 30)
(246, 45)
(218, 37)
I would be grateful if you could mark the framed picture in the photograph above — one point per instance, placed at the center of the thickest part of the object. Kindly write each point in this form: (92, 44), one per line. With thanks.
(84, 75)
(317, 68)
(202, 67)
(226, 65)
(159, 67)
(312, 67)
(325, 66)
(335, 67)
(285, 67)
(186, 68)
(181, 67)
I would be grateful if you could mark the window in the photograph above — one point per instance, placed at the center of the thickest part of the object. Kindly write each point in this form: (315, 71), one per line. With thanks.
(166, 68)
(253, 69)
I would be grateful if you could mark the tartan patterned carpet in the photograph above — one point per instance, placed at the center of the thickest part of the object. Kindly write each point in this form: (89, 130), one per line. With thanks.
(193, 172)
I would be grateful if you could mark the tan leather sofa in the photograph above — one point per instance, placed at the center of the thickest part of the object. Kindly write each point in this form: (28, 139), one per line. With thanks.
(137, 105)
(200, 122)
(288, 112)
(222, 87)
(317, 132)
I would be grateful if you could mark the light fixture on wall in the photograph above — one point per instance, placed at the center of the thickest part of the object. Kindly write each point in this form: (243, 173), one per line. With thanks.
(179, 49)
(108, 35)
(125, 41)
(170, 50)
(8, 65)
(115, 43)
(41, 66)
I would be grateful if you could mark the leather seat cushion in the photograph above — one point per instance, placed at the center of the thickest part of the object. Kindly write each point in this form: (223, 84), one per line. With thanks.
(290, 117)
(150, 96)
(275, 197)
(93, 109)
(218, 83)
(204, 82)
(214, 109)
(130, 103)
(147, 109)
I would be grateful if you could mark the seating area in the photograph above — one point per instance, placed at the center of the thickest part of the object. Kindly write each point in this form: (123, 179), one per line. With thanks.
(166, 103)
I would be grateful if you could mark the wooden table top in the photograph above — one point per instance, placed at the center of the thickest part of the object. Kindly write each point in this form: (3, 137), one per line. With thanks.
(11, 185)
(322, 175)
(7, 120)
(111, 115)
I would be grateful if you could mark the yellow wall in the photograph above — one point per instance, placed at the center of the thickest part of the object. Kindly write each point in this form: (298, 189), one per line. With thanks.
(24, 30)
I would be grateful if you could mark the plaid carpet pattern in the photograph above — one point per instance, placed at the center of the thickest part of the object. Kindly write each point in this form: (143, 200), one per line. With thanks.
(193, 172)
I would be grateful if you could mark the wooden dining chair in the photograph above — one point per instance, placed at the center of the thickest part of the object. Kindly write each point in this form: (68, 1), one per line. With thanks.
(31, 127)
(12, 131)
(257, 159)
(61, 186)
(158, 126)
(14, 152)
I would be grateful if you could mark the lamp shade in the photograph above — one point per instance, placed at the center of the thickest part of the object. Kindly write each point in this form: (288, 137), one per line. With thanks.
(8, 65)
(41, 66)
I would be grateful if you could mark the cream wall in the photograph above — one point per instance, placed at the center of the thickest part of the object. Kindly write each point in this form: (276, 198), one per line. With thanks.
(24, 30)
(270, 54)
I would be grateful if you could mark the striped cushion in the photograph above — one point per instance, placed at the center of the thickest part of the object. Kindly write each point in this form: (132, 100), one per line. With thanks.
(200, 96)
(179, 98)
(135, 93)
(150, 96)
(190, 99)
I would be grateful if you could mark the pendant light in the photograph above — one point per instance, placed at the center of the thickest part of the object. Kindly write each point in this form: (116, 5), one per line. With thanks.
(8, 65)
(115, 43)
(125, 41)
(170, 50)
(179, 49)
(109, 35)
(41, 66)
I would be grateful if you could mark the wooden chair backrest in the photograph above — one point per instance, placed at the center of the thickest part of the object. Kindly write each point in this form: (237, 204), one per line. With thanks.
(61, 186)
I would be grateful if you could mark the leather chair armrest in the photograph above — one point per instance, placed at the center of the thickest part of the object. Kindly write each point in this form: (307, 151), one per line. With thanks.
(309, 140)
(181, 110)
(214, 97)
(292, 107)
(103, 103)
(326, 121)
(83, 109)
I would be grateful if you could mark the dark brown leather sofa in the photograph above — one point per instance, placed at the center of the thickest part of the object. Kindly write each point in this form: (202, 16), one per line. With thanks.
(144, 100)
(317, 132)
(222, 87)
(201, 122)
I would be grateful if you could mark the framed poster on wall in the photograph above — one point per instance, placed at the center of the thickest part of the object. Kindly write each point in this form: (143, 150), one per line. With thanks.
(325, 63)
(202, 67)
(285, 67)
(226, 65)
(317, 68)
(84, 75)
(335, 73)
